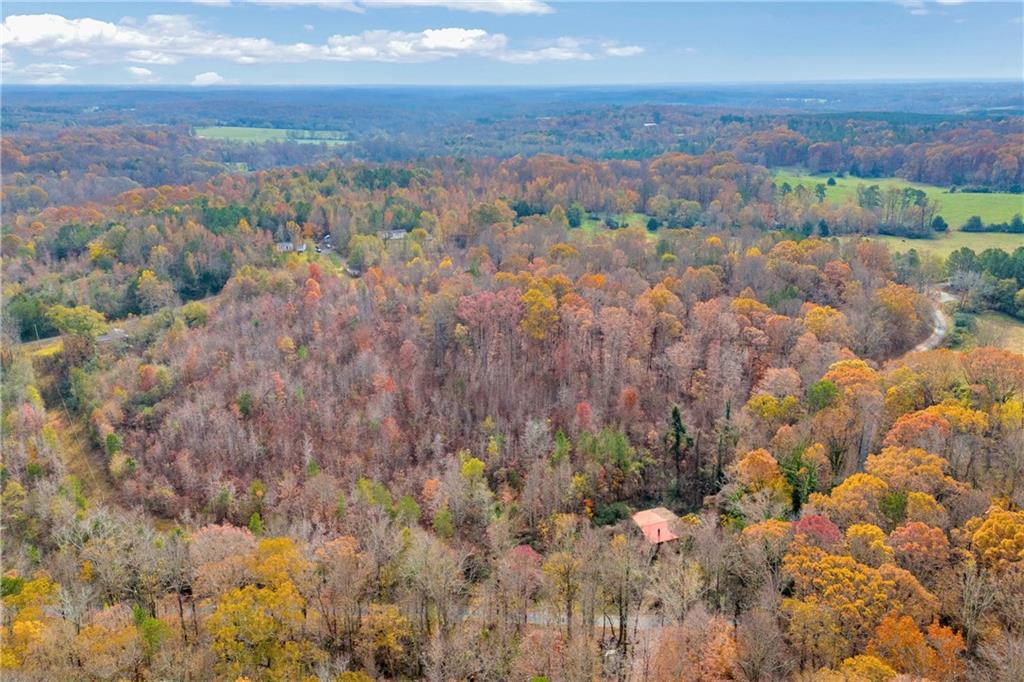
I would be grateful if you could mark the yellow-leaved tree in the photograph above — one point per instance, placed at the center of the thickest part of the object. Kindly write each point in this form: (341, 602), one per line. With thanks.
(259, 631)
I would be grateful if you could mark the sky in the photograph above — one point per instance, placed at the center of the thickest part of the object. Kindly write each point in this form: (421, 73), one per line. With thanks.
(216, 43)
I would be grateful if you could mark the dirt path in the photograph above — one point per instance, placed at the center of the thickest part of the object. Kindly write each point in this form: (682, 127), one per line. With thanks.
(940, 323)
(80, 459)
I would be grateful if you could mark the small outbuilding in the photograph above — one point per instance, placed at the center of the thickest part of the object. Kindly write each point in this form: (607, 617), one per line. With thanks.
(658, 525)
(390, 235)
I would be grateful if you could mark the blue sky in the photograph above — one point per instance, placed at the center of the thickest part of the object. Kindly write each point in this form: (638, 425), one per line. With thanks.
(250, 42)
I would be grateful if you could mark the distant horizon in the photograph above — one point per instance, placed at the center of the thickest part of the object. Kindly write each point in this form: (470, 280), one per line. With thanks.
(540, 86)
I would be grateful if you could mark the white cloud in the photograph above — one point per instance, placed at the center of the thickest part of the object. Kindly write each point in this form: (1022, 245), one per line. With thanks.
(308, 27)
(564, 49)
(346, 5)
(151, 57)
(170, 39)
(613, 50)
(208, 78)
(54, 31)
(400, 46)
(143, 74)
(489, 6)
(46, 73)
(914, 6)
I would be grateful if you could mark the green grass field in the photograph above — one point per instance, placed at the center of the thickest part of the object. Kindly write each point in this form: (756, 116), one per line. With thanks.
(944, 244)
(591, 226)
(240, 134)
(955, 208)
(996, 329)
(624, 220)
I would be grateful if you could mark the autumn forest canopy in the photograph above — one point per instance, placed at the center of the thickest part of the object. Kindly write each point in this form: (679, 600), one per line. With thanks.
(354, 384)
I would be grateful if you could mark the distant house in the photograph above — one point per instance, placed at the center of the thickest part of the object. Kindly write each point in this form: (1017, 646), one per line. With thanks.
(524, 554)
(115, 334)
(658, 525)
(388, 235)
(288, 247)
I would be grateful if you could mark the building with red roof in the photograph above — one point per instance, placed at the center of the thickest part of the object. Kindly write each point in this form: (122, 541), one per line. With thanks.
(658, 525)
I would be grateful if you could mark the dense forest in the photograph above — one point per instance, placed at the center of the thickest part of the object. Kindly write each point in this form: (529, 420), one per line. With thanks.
(193, 237)
(386, 410)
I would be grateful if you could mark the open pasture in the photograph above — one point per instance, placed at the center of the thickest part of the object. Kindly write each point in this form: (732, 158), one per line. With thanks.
(954, 207)
(259, 135)
(944, 244)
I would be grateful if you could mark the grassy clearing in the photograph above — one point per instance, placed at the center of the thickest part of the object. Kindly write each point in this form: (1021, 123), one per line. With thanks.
(44, 347)
(997, 329)
(241, 134)
(82, 463)
(624, 220)
(593, 226)
(956, 207)
(944, 244)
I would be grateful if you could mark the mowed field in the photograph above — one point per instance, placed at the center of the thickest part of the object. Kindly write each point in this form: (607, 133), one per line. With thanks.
(624, 220)
(242, 134)
(944, 244)
(954, 207)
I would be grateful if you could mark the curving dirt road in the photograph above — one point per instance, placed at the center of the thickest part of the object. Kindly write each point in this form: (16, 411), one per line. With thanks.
(941, 326)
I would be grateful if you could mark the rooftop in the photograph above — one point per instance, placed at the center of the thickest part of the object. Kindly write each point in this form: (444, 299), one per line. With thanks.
(657, 525)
